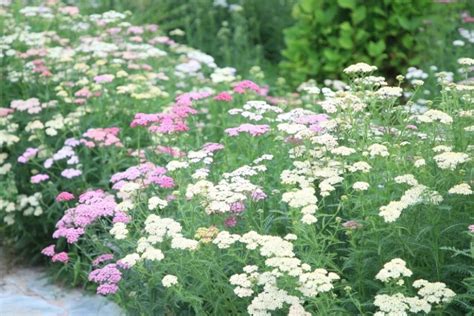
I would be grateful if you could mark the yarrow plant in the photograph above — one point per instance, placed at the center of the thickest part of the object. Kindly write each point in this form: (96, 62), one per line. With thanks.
(171, 186)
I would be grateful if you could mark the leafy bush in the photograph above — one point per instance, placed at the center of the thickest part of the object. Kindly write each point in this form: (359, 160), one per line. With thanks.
(329, 35)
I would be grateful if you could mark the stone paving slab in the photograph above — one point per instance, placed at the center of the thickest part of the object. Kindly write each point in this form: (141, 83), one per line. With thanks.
(26, 291)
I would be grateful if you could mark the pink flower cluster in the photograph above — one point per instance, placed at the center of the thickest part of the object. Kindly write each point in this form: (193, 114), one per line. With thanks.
(223, 96)
(254, 130)
(70, 173)
(243, 86)
(32, 105)
(64, 196)
(313, 120)
(258, 195)
(39, 178)
(5, 111)
(212, 147)
(106, 78)
(173, 121)
(102, 258)
(39, 66)
(55, 257)
(147, 173)
(32, 52)
(83, 94)
(102, 137)
(174, 152)
(92, 206)
(107, 277)
(28, 154)
(69, 10)
(66, 152)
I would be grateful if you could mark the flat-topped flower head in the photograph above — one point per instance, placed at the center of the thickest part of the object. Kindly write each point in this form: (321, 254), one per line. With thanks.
(393, 270)
(360, 68)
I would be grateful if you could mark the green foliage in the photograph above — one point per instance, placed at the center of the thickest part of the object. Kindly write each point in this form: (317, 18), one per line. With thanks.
(330, 35)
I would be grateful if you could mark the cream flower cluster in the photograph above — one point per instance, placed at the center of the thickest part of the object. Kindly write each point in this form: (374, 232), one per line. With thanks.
(30, 205)
(281, 261)
(155, 202)
(54, 125)
(234, 187)
(304, 173)
(158, 229)
(119, 231)
(8, 207)
(343, 102)
(5, 167)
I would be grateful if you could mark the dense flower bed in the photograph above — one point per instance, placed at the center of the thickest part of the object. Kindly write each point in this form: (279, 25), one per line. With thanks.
(150, 174)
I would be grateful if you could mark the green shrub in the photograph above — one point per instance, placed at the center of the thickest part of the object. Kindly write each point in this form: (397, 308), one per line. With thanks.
(330, 35)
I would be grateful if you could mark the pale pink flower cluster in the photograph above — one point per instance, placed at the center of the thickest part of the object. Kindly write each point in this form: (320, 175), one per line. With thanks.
(32, 105)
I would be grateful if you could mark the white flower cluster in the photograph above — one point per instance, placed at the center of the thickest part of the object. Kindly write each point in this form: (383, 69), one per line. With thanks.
(8, 207)
(433, 293)
(28, 205)
(360, 186)
(40, 11)
(462, 189)
(398, 305)
(169, 280)
(418, 193)
(450, 160)
(226, 74)
(361, 166)
(465, 61)
(393, 270)
(389, 92)
(407, 179)
(371, 81)
(343, 151)
(306, 200)
(431, 116)
(4, 167)
(429, 294)
(255, 110)
(360, 68)
(378, 150)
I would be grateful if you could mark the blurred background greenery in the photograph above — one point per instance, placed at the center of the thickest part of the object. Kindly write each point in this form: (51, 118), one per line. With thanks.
(302, 39)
